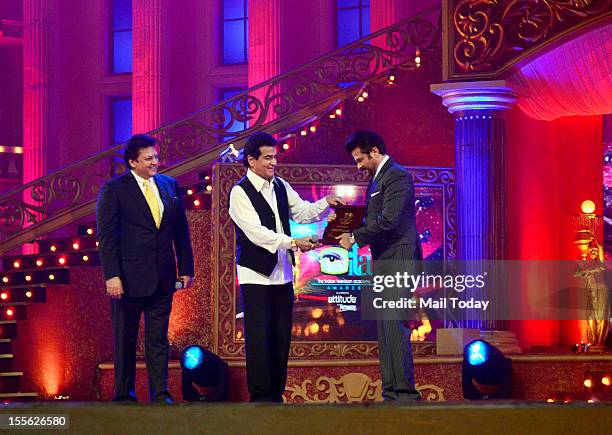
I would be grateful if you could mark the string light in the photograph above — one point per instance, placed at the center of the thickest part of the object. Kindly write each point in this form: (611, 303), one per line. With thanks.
(189, 192)
(17, 264)
(286, 146)
(4, 296)
(303, 132)
(5, 279)
(90, 231)
(62, 260)
(28, 294)
(417, 58)
(76, 246)
(209, 188)
(39, 262)
(196, 202)
(85, 258)
(28, 278)
(53, 248)
(51, 277)
(313, 129)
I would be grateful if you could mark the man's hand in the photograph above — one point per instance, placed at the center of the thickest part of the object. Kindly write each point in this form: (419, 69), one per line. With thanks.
(334, 200)
(114, 287)
(305, 244)
(186, 280)
(344, 240)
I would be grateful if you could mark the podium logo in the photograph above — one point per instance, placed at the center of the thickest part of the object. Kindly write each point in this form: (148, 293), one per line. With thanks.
(334, 260)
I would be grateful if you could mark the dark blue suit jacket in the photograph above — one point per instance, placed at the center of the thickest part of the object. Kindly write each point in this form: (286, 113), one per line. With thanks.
(132, 247)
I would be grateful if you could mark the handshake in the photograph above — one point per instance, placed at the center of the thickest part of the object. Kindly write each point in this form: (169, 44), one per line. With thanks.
(305, 244)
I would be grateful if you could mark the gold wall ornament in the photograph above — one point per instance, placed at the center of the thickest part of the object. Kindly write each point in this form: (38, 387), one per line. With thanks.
(225, 175)
(487, 37)
(275, 105)
(350, 388)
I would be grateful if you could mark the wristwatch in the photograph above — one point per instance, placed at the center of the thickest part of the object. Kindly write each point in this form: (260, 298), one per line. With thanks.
(294, 246)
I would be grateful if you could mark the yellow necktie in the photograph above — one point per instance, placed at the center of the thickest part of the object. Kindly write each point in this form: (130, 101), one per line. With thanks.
(153, 205)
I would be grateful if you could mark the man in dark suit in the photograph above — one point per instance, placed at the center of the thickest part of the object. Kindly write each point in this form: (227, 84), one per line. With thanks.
(389, 228)
(142, 227)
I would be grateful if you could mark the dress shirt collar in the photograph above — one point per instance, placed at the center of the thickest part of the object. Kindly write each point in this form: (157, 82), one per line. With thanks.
(257, 181)
(381, 164)
(141, 181)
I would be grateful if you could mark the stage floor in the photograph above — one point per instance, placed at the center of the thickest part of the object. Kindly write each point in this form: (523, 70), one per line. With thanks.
(423, 418)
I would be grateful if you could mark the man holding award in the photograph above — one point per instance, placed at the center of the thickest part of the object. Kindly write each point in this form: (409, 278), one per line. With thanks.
(389, 228)
(261, 205)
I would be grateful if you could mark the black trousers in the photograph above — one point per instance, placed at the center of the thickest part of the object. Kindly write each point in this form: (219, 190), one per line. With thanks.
(126, 313)
(267, 332)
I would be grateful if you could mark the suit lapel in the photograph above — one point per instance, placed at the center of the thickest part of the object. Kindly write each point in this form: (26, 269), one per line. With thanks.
(165, 197)
(375, 181)
(134, 190)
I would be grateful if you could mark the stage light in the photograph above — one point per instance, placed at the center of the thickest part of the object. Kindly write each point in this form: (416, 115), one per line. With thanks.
(4, 296)
(196, 202)
(76, 245)
(477, 353)
(486, 372)
(28, 294)
(85, 258)
(203, 375)
(587, 207)
(53, 248)
(39, 263)
(62, 260)
(606, 380)
(189, 191)
(588, 383)
(90, 231)
(17, 264)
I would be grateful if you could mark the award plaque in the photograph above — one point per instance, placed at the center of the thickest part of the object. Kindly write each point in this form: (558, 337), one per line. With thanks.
(348, 218)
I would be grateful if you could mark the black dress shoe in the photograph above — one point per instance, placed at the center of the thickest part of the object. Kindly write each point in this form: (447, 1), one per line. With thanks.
(164, 400)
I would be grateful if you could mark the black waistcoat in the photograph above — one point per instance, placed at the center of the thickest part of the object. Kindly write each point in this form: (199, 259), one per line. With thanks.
(249, 254)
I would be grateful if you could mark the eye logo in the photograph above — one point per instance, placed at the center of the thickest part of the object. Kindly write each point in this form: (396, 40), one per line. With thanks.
(334, 260)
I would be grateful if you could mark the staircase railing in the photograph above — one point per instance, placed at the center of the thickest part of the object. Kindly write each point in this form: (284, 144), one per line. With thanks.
(278, 104)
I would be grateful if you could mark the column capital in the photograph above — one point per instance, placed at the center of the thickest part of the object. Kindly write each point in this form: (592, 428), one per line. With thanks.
(481, 95)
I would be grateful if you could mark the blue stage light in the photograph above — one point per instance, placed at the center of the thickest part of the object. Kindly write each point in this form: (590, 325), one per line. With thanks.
(192, 357)
(477, 353)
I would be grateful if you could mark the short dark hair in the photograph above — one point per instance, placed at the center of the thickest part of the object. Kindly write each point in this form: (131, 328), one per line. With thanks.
(365, 140)
(134, 145)
(253, 145)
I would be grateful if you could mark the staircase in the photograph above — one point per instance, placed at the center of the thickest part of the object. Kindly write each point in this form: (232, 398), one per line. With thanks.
(278, 106)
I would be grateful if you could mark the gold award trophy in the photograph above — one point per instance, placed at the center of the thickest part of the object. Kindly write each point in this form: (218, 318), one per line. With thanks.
(348, 218)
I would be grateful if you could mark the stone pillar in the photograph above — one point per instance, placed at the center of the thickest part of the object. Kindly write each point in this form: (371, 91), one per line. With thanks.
(480, 141)
(264, 40)
(149, 55)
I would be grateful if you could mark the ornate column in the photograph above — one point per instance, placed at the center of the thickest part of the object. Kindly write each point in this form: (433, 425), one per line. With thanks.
(480, 140)
(37, 29)
(149, 55)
